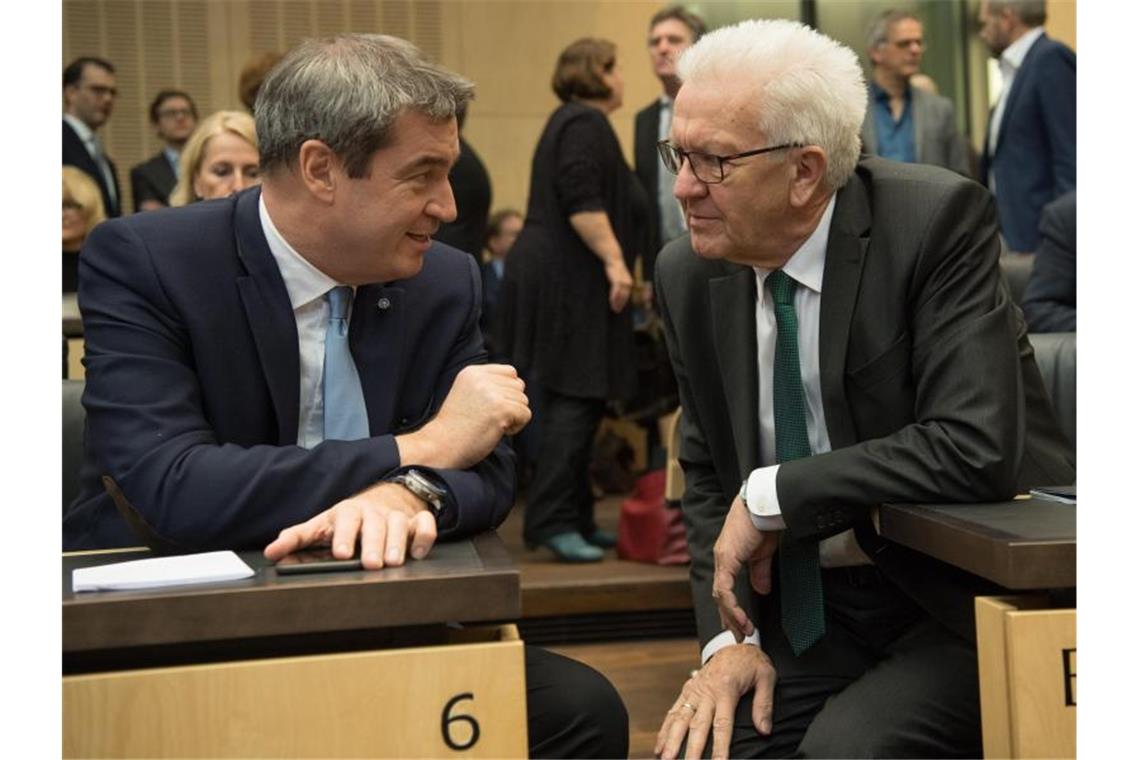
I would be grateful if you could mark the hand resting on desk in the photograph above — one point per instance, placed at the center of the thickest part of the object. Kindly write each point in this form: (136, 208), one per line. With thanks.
(389, 520)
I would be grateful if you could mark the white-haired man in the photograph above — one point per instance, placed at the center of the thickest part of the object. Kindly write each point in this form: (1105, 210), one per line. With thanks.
(841, 339)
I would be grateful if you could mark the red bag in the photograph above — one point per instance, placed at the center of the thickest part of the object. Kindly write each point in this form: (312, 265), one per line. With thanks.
(648, 530)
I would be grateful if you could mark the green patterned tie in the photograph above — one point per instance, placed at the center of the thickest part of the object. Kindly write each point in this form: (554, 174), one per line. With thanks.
(801, 591)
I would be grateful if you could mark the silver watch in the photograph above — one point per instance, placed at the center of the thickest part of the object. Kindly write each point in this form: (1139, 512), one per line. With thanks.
(422, 487)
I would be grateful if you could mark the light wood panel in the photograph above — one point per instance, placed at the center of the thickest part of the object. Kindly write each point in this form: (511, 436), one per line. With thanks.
(365, 704)
(1061, 23)
(1027, 677)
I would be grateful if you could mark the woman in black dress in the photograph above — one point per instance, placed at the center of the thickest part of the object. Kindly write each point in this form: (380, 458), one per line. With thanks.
(565, 321)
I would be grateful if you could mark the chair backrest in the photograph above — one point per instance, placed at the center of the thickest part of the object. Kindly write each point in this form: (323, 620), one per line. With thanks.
(1017, 267)
(1056, 355)
(74, 422)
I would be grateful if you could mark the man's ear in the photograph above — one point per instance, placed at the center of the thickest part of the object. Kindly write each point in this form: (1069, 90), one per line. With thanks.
(810, 166)
(873, 55)
(317, 166)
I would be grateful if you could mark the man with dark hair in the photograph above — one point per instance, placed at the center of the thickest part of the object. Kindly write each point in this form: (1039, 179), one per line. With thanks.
(174, 116)
(905, 123)
(301, 364)
(1030, 154)
(671, 31)
(88, 98)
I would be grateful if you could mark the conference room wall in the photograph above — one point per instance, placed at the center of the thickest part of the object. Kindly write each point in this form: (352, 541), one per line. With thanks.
(508, 47)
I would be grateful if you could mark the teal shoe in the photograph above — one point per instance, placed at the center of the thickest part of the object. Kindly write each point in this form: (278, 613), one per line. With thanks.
(602, 539)
(571, 547)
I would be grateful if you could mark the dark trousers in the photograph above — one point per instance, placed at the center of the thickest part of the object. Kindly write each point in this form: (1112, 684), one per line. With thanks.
(560, 499)
(886, 680)
(572, 710)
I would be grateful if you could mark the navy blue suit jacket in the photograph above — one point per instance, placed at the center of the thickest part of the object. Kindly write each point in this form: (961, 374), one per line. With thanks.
(1035, 158)
(192, 392)
(75, 154)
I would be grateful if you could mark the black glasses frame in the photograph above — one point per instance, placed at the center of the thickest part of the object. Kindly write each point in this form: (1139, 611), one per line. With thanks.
(667, 149)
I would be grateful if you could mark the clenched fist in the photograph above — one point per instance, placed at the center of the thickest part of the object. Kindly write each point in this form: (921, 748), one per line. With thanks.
(485, 403)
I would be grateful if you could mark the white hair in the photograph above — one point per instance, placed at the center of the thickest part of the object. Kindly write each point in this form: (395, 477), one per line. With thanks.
(809, 88)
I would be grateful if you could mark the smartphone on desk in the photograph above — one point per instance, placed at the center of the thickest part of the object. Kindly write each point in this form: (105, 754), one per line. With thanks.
(316, 560)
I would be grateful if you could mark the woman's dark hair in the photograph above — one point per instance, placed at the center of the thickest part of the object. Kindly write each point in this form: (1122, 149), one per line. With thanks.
(578, 73)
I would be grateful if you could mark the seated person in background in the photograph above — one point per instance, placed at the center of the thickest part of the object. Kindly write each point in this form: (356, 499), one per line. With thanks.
(82, 210)
(502, 230)
(841, 339)
(174, 117)
(219, 159)
(1050, 301)
(300, 364)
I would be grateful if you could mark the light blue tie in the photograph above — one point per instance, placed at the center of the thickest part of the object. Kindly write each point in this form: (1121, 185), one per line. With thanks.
(346, 417)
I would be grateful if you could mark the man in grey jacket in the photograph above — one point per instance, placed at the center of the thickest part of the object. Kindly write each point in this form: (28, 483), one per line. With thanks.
(905, 123)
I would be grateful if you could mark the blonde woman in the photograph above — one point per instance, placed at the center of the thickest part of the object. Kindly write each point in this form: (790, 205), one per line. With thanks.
(82, 210)
(219, 159)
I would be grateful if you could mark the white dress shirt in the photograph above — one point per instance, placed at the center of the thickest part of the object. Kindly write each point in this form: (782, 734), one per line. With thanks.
(307, 287)
(806, 268)
(1009, 62)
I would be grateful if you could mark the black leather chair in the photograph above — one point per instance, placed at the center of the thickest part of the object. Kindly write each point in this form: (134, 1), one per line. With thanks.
(1017, 267)
(74, 421)
(1056, 355)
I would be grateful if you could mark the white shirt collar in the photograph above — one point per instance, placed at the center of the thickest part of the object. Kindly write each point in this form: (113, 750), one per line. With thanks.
(303, 281)
(806, 264)
(86, 134)
(1014, 55)
(665, 101)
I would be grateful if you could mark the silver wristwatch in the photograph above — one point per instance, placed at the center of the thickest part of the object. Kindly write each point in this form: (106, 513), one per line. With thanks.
(422, 486)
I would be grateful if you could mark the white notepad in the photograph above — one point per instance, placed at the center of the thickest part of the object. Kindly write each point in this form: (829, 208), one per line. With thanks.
(210, 567)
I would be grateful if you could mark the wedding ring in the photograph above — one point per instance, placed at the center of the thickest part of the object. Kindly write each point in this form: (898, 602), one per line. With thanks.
(686, 705)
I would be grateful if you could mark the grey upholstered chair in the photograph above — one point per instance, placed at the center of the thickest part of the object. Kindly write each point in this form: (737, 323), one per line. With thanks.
(1056, 355)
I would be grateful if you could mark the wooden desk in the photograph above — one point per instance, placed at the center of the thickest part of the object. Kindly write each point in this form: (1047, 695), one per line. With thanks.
(1027, 644)
(1022, 544)
(348, 664)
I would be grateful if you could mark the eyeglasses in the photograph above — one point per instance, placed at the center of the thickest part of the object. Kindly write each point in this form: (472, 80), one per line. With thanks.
(101, 91)
(708, 168)
(174, 113)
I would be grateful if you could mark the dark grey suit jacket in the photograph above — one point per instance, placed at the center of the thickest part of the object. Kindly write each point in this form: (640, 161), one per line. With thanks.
(930, 391)
(936, 137)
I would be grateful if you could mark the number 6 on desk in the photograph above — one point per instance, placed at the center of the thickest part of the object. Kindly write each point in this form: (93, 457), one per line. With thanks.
(447, 719)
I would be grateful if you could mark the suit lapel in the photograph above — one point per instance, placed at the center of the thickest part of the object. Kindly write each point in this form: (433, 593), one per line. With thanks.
(733, 300)
(270, 316)
(376, 336)
(842, 271)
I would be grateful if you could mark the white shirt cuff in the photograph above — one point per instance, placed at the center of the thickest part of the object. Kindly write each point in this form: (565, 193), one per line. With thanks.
(725, 639)
(763, 503)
